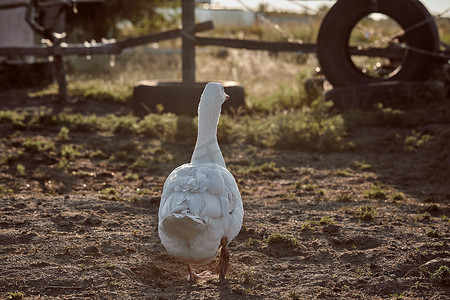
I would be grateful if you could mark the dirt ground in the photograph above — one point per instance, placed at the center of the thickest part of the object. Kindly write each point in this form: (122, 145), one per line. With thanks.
(358, 224)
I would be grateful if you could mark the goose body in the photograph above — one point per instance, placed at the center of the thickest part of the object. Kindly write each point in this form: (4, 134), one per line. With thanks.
(201, 208)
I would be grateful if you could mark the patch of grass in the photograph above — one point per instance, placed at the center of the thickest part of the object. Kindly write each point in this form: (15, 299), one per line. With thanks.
(310, 224)
(162, 127)
(315, 128)
(131, 176)
(366, 213)
(398, 197)
(326, 220)
(285, 240)
(343, 173)
(6, 191)
(416, 141)
(397, 296)
(248, 276)
(98, 154)
(375, 192)
(109, 191)
(63, 134)
(264, 168)
(69, 152)
(90, 88)
(15, 295)
(32, 146)
(362, 271)
(361, 165)
(21, 169)
(345, 197)
(309, 187)
(423, 217)
(434, 233)
(294, 295)
(442, 276)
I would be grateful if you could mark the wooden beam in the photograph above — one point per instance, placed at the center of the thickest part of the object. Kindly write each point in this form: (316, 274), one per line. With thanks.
(188, 47)
(257, 45)
(395, 53)
(101, 48)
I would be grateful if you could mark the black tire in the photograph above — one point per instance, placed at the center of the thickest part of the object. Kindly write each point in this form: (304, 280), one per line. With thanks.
(334, 35)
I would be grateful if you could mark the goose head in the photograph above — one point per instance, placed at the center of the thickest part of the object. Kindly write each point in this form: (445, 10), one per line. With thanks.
(212, 98)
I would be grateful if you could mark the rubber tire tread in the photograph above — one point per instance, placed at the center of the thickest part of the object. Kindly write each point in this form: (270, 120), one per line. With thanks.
(335, 30)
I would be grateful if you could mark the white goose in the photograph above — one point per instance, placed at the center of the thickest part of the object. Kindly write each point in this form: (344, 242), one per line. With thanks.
(201, 208)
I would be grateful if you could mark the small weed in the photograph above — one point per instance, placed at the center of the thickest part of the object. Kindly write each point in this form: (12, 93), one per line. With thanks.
(308, 187)
(251, 242)
(321, 192)
(366, 213)
(32, 146)
(109, 191)
(308, 225)
(361, 165)
(346, 197)
(110, 266)
(144, 191)
(415, 141)
(4, 190)
(442, 276)
(423, 217)
(326, 220)
(265, 168)
(445, 218)
(69, 152)
(63, 134)
(363, 271)
(343, 173)
(99, 154)
(289, 197)
(282, 239)
(398, 197)
(248, 276)
(293, 295)
(434, 233)
(20, 169)
(63, 163)
(375, 192)
(397, 296)
(131, 176)
(15, 295)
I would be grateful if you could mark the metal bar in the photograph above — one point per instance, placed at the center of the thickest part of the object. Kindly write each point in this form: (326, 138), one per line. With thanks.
(188, 36)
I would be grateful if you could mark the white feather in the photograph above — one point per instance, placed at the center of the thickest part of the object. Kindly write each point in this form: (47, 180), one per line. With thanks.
(201, 202)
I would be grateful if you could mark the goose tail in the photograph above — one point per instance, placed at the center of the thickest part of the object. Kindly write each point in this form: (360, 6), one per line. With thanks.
(183, 226)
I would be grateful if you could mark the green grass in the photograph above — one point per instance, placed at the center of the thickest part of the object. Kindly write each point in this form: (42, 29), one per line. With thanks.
(285, 240)
(442, 276)
(376, 191)
(366, 213)
(91, 88)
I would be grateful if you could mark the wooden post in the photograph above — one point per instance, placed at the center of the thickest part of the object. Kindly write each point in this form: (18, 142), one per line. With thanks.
(188, 48)
(61, 78)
